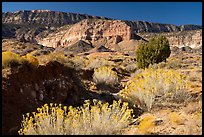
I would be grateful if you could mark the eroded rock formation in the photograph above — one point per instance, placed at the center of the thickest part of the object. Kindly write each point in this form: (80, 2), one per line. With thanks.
(44, 17)
(192, 39)
(180, 39)
(56, 18)
(116, 35)
(144, 26)
(42, 26)
(36, 24)
(92, 31)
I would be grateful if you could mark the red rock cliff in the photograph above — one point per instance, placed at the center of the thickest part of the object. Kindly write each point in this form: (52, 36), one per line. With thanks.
(92, 31)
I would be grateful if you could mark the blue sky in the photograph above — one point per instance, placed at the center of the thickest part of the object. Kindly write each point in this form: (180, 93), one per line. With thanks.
(177, 13)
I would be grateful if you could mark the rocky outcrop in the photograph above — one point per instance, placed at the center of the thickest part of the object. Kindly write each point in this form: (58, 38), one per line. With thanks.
(79, 47)
(144, 26)
(23, 48)
(44, 17)
(37, 24)
(180, 39)
(60, 30)
(55, 18)
(192, 39)
(93, 31)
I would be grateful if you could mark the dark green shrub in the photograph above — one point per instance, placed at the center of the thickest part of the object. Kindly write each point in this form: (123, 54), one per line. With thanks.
(155, 51)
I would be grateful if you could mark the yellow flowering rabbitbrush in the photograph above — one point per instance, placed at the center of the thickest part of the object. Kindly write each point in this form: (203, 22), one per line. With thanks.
(90, 119)
(146, 124)
(32, 61)
(8, 58)
(155, 86)
(104, 75)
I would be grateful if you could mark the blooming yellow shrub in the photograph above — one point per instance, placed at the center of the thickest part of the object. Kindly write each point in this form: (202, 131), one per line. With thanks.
(60, 57)
(104, 75)
(99, 118)
(175, 118)
(146, 124)
(8, 58)
(33, 61)
(79, 62)
(155, 86)
(198, 114)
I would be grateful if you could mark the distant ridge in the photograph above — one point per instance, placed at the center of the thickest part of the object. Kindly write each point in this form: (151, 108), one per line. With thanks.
(35, 25)
(45, 17)
(57, 18)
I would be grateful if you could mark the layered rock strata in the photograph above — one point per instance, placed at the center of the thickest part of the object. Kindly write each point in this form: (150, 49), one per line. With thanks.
(92, 31)
(180, 39)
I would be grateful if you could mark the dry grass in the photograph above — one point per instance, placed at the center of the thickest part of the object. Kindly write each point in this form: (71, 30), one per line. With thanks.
(172, 122)
(98, 62)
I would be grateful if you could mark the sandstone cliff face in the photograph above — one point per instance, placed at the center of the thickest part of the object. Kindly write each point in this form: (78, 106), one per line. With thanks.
(25, 33)
(43, 22)
(54, 18)
(50, 28)
(180, 39)
(115, 35)
(93, 31)
(192, 39)
(45, 17)
(36, 24)
(144, 26)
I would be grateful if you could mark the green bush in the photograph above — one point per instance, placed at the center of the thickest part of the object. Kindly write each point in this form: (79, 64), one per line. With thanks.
(155, 51)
